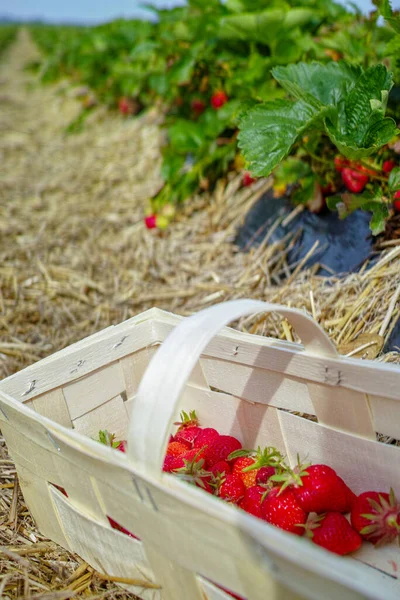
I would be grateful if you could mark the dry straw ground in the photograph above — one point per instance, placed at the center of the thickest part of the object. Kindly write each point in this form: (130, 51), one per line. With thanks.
(75, 258)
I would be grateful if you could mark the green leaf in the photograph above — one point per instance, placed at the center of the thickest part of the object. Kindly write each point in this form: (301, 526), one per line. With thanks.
(394, 180)
(336, 98)
(257, 27)
(185, 136)
(181, 72)
(317, 83)
(306, 190)
(369, 200)
(332, 202)
(379, 134)
(291, 170)
(380, 213)
(386, 11)
(268, 132)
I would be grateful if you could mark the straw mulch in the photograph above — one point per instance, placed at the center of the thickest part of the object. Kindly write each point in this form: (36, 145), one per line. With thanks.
(75, 257)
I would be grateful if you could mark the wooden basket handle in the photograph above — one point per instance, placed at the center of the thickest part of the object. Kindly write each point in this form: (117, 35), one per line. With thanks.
(157, 400)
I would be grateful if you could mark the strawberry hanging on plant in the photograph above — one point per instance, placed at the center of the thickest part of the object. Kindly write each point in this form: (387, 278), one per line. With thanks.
(126, 106)
(354, 181)
(388, 166)
(218, 99)
(396, 201)
(198, 106)
(154, 221)
(248, 179)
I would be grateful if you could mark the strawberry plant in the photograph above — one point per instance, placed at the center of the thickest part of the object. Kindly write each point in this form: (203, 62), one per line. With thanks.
(7, 35)
(298, 78)
(332, 107)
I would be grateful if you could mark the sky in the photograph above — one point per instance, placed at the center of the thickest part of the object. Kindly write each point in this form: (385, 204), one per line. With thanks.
(95, 11)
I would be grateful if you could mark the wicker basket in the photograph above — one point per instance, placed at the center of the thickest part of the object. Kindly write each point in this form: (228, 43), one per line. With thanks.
(191, 543)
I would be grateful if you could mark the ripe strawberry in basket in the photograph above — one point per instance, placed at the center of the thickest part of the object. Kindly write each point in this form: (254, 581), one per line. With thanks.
(264, 474)
(280, 508)
(252, 500)
(119, 527)
(177, 448)
(248, 463)
(333, 532)
(376, 516)
(220, 448)
(190, 467)
(317, 488)
(205, 437)
(220, 468)
(232, 594)
(188, 428)
(108, 439)
(231, 488)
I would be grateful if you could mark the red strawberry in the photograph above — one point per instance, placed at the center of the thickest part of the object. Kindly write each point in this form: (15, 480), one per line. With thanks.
(340, 163)
(355, 182)
(122, 446)
(249, 462)
(108, 439)
(333, 532)
(264, 473)
(281, 508)
(351, 498)
(376, 516)
(221, 467)
(191, 468)
(205, 437)
(388, 166)
(320, 490)
(169, 463)
(232, 488)
(198, 106)
(396, 201)
(220, 448)
(119, 527)
(248, 179)
(327, 189)
(60, 489)
(151, 221)
(249, 477)
(252, 499)
(177, 448)
(218, 99)
(124, 106)
(235, 596)
(190, 457)
(363, 169)
(188, 435)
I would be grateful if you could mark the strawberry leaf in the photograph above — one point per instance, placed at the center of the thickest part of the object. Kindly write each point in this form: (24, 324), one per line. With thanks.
(386, 11)
(369, 200)
(335, 99)
(394, 179)
(269, 131)
(321, 85)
